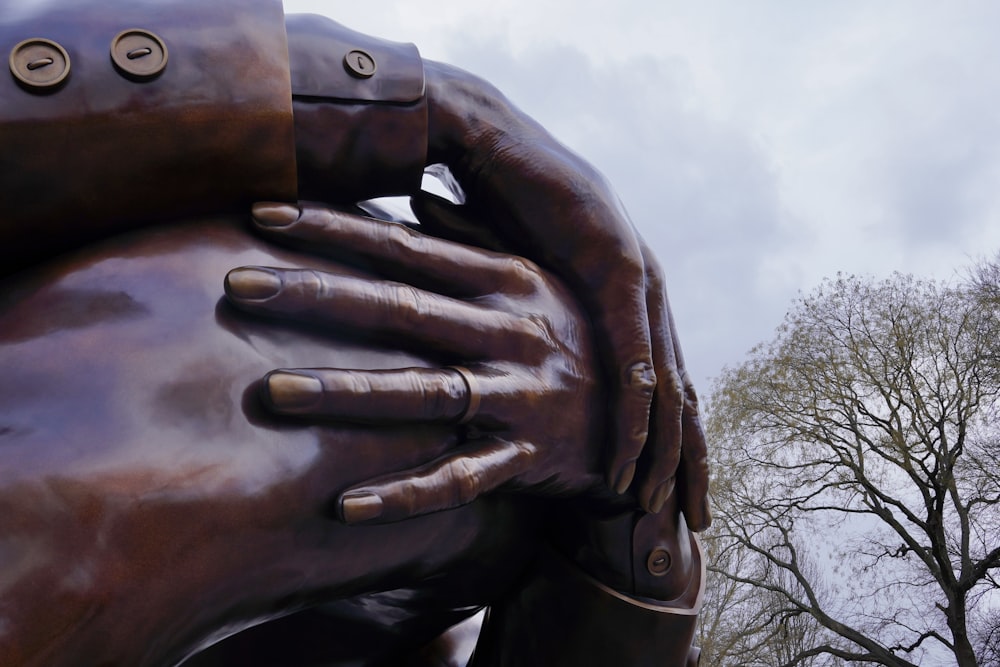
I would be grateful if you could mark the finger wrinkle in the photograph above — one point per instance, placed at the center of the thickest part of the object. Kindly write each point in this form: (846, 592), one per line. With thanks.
(313, 283)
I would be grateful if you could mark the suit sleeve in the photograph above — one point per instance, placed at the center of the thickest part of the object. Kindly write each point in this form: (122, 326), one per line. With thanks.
(360, 112)
(116, 114)
(559, 615)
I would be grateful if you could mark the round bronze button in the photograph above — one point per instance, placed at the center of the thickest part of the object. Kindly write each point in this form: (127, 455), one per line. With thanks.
(359, 64)
(659, 562)
(39, 63)
(139, 54)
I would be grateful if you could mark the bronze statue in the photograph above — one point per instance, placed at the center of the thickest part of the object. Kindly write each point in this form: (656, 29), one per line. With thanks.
(154, 498)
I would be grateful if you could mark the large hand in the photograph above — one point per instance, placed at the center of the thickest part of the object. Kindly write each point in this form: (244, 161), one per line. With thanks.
(556, 209)
(525, 383)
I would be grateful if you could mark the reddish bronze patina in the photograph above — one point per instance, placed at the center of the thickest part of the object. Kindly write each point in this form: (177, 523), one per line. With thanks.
(442, 414)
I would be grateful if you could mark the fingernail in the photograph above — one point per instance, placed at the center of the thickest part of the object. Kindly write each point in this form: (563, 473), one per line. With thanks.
(252, 284)
(660, 496)
(358, 506)
(272, 214)
(625, 478)
(293, 391)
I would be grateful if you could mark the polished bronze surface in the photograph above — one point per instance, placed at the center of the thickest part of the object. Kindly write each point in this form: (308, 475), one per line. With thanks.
(503, 452)
(537, 426)
(148, 505)
(184, 508)
(386, 430)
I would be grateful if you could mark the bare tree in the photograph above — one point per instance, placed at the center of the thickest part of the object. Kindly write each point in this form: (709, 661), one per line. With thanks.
(860, 456)
(743, 625)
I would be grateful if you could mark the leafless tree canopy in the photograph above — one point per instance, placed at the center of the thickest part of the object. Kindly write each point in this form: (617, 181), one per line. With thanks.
(857, 488)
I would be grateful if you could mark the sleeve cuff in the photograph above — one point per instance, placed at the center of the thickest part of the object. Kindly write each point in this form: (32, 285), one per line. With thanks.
(360, 112)
(562, 616)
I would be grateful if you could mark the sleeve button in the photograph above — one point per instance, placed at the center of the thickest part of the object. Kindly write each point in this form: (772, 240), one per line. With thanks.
(659, 562)
(39, 64)
(359, 64)
(139, 55)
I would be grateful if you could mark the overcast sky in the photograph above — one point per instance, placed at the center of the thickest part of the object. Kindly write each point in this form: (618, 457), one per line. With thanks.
(759, 146)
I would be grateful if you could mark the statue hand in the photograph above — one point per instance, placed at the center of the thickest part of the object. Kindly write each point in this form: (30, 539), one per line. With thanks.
(526, 387)
(645, 555)
(550, 205)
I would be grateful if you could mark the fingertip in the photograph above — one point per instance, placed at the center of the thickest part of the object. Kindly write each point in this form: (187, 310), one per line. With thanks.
(624, 478)
(275, 215)
(631, 439)
(701, 519)
(654, 501)
(290, 391)
(360, 506)
(249, 283)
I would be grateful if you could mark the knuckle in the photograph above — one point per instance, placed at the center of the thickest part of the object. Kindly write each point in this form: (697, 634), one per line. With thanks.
(435, 394)
(408, 301)
(631, 263)
(526, 451)
(525, 271)
(319, 217)
(654, 274)
(671, 390)
(398, 237)
(465, 480)
(641, 379)
(690, 396)
(313, 283)
(403, 242)
(531, 335)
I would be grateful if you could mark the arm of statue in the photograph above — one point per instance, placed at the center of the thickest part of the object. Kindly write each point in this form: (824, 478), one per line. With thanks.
(630, 571)
(148, 506)
(228, 116)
